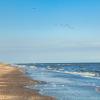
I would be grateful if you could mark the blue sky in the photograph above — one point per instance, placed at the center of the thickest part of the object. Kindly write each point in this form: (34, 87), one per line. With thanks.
(49, 31)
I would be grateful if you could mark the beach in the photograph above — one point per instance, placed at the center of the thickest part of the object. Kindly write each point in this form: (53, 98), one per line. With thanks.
(13, 82)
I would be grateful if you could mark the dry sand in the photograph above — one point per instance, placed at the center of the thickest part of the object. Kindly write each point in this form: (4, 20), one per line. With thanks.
(12, 85)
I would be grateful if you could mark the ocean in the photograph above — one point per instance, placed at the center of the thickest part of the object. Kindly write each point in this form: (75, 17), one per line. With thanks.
(65, 81)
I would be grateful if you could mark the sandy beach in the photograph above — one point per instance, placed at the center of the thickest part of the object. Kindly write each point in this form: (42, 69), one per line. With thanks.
(12, 85)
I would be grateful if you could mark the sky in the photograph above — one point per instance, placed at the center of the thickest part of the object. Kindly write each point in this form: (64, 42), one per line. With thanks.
(49, 31)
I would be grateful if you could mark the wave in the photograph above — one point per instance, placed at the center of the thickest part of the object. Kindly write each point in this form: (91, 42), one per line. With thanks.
(84, 74)
(62, 70)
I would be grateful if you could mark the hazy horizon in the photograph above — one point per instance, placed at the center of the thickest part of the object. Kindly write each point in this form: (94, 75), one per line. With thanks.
(49, 31)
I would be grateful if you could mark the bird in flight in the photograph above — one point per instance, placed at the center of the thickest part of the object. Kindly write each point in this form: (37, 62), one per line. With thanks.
(34, 8)
(66, 26)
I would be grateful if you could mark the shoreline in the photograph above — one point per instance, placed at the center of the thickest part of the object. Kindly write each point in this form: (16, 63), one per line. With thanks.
(13, 82)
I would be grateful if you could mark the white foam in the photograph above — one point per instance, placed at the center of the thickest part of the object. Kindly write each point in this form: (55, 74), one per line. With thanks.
(84, 74)
(48, 67)
(33, 67)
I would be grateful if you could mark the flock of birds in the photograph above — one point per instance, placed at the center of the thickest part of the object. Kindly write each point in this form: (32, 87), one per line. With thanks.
(68, 26)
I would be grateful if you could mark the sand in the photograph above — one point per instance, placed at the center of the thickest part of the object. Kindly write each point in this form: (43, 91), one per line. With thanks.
(13, 82)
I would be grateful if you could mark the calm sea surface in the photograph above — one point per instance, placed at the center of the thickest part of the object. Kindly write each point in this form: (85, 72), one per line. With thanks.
(73, 81)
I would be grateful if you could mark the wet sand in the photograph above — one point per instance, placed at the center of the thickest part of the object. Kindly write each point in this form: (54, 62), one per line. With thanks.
(12, 85)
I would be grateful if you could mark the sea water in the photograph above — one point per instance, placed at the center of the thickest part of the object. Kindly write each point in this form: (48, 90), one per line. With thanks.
(73, 81)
